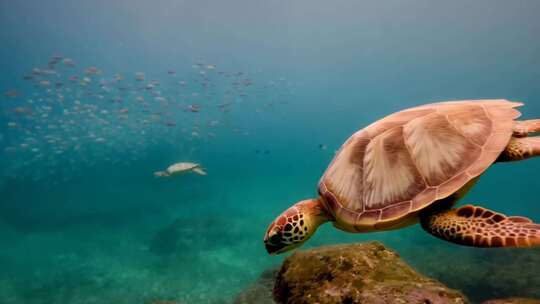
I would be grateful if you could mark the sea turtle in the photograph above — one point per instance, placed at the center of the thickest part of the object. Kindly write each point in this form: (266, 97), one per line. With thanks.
(180, 168)
(413, 166)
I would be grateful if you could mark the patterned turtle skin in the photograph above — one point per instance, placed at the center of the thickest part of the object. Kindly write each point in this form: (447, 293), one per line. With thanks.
(411, 166)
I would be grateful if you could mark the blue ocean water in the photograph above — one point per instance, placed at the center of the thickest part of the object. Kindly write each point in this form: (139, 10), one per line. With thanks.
(261, 94)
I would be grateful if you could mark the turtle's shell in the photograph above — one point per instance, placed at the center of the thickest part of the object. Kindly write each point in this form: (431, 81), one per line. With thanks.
(406, 161)
(181, 167)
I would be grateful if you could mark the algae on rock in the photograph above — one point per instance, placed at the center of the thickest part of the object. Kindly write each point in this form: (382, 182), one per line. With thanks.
(356, 273)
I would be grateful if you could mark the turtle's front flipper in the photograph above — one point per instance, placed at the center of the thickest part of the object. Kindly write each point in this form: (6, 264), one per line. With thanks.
(199, 171)
(480, 227)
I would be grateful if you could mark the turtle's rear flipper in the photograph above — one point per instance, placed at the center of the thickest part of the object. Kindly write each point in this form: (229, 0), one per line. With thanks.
(480, 227)
(199, 171)
(521, 148)
(524, 127)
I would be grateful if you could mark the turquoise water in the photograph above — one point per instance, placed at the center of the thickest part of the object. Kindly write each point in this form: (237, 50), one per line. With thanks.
(82, 218)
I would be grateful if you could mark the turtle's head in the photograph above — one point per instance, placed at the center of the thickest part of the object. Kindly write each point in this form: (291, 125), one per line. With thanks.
(295, 226)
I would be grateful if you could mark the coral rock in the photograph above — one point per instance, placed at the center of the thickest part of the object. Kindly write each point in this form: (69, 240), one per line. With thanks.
(356, 273)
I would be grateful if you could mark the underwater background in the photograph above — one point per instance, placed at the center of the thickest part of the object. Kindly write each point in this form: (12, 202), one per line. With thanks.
(98, 95)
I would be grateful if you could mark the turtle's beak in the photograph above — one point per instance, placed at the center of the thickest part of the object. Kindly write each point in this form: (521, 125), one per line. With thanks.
(273, 249)
(271, 240)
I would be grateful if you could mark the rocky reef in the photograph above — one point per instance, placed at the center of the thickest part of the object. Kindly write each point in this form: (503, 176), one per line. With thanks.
(260, 292)
(350, 273)
(483, 274)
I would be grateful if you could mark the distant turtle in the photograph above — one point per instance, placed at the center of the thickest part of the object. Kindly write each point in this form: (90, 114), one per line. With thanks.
(413, 166)
(180, 168)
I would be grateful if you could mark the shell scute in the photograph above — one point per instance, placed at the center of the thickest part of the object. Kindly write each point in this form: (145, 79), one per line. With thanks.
(484, 161)
(473, 123)
(495, 141)
(368, 217)
(387, 161)
(396, 210)
(428, 195)
(438, 149)
(449, 186)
